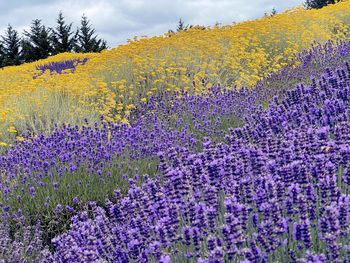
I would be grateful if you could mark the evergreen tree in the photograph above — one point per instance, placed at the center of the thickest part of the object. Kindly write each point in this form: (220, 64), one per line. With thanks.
(10, 48)
(62, 37)
(87, 40)
(2, 56)
(317, 4)
(181, 26)
(37, 44)
(273, 12)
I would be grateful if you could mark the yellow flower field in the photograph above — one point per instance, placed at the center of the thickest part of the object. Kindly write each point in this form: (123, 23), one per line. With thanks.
(111, 82)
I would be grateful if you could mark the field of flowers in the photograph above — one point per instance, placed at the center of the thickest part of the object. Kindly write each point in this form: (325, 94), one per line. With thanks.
(228, 144)
(113, 82)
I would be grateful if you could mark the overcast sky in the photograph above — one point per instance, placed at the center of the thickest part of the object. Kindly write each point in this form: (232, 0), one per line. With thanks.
(118, 20)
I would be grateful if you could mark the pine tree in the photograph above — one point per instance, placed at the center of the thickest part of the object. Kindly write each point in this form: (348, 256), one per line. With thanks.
(62, 37)
(317, 4)
(87, 40)
(181, 26)
(273, 12)
(10, 47)
(2, 56)
(37, 44)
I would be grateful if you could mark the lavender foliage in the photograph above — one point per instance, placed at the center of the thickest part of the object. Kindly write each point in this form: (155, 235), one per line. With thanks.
(237, 181)
(279, 186)
(60, 66)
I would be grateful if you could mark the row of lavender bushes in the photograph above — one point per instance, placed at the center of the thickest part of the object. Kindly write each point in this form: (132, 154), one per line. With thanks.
(277, 190)
(60, 66)
(312, 63)
(58, 175)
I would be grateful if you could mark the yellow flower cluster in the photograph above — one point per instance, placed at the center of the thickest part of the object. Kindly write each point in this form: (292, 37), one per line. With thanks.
(110, 83)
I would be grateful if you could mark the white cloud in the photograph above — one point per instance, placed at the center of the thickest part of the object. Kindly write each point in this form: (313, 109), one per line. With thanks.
(117, 20)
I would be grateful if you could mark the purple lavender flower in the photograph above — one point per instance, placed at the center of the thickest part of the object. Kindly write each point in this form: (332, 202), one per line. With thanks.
(58, 208)
(164, 259)
(32, 191)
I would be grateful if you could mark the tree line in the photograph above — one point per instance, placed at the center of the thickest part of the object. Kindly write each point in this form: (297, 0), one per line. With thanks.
(40, 42)
(317, 4)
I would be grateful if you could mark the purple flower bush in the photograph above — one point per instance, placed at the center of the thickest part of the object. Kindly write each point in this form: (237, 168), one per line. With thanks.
(27, 243)
(226, 108)
(312, 63)
(59, 66)
(277, 189)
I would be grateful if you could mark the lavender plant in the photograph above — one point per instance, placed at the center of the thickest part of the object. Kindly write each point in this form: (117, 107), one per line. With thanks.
(278, 190)
(273, 187)
(310, 63)
(60, 66)
(26, 246)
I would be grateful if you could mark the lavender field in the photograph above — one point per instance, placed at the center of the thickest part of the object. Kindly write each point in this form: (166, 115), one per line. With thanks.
(233, 176)
(258, 174)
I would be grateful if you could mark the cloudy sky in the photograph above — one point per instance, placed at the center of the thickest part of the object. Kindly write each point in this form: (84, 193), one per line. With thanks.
(118, 20)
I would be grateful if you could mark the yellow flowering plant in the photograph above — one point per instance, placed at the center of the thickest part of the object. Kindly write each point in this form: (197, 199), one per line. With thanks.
(111, 82)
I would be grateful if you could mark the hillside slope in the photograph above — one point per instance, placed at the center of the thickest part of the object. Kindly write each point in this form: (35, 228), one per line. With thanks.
(112, 82)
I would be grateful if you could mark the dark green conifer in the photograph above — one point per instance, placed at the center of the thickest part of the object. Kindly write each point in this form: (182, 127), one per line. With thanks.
(37, 44)
(10, 48)
(317, 4)
(62, 37)
(87, 40)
